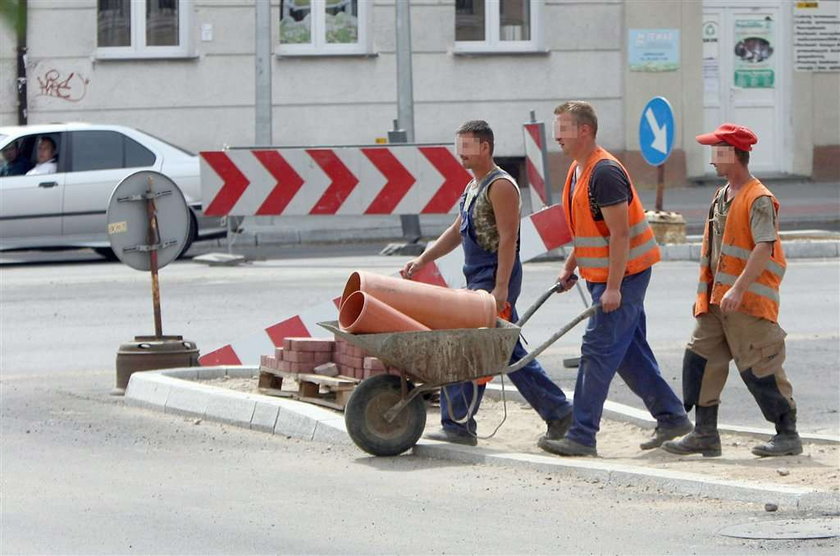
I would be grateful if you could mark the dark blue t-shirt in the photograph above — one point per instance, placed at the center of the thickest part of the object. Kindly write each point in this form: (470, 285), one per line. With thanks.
(608, 185)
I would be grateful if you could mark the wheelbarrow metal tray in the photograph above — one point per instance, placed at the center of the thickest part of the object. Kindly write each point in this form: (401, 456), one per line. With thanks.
(440, 356)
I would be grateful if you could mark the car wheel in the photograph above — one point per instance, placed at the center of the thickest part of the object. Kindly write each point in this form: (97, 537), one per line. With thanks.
(193, 233)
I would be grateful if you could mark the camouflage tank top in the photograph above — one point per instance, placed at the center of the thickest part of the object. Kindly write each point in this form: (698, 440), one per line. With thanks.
(478, 201)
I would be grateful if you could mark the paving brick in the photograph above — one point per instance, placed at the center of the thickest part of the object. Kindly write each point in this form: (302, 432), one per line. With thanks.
(300, 367)
(298, 356)
(309, 344)
(327, 369)
(373, 363)
(278, 353)
(354, 361)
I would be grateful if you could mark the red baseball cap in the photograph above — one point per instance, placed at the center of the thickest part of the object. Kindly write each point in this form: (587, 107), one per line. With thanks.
(738, 136)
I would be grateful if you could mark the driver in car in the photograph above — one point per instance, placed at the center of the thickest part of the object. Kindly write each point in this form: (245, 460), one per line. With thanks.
(46, 158)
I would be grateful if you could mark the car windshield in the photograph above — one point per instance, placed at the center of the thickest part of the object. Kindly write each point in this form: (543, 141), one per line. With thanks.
(182, 149)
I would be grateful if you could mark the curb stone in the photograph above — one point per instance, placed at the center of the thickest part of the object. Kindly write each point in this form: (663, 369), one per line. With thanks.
(172, 391)
(642, 419)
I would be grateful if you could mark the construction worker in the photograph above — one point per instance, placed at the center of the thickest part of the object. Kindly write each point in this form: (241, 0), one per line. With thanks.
(737, 305)
(614, 250)
(487, 227)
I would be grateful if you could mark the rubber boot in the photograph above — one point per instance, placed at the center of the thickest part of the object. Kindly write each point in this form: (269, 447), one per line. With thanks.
(704, 439)
(786, 442)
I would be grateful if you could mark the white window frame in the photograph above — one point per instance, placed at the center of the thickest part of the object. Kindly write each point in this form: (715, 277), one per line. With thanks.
(319, 45)
(492, 43)
(138, 48)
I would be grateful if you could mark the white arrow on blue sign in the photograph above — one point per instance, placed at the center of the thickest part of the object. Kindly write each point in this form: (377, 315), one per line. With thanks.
(656, 131)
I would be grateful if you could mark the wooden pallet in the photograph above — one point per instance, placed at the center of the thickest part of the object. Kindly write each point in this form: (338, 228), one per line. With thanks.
(328, 391)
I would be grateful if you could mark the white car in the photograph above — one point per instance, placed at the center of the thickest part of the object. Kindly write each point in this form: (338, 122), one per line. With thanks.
(66, 209)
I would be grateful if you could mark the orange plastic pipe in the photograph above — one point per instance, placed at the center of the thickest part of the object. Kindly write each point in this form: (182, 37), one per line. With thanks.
(434, 306)
(362, 313)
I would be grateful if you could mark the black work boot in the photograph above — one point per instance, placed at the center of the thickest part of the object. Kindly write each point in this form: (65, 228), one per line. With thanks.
(557, 428)
(662, 433)
(567, 447)
(786, 442)
(703, 440)
(453, 436)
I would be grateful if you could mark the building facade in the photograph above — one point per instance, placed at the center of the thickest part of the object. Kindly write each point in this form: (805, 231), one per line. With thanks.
(184, 70)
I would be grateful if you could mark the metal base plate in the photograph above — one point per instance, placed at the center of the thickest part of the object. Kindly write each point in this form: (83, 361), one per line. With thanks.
(810, 528)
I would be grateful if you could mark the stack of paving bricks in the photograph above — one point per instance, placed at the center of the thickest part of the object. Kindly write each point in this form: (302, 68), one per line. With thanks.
(304, 360)
(354, 362)
(300, 355)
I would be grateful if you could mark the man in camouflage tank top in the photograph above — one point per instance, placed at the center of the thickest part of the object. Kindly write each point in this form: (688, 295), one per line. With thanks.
(487, 228)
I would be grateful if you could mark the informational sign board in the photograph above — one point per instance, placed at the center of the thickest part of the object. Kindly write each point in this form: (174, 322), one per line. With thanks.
(754, 62)
(656, 131)
(653, 50)
(816, 36)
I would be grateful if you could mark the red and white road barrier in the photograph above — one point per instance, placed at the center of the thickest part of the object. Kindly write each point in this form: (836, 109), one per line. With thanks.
(403, 179)
(540, 232)
(535, 160)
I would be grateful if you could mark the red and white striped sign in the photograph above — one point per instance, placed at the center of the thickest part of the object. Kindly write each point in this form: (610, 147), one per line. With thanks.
(534, 162)
(394, 179)
(539, 233)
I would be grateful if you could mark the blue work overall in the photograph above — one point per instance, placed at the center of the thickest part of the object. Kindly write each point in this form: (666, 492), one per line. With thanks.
(532, 382)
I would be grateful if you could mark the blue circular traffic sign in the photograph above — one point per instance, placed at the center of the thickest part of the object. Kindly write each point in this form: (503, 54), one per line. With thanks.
(656, 131)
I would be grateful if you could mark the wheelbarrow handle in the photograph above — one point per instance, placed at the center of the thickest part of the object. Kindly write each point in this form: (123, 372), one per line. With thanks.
(556, 288)
(533, 355)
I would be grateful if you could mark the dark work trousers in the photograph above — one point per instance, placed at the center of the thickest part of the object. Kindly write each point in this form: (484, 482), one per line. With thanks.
(617, 342)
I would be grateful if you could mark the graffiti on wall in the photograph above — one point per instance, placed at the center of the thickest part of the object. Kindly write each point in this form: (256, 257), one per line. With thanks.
(71, 87)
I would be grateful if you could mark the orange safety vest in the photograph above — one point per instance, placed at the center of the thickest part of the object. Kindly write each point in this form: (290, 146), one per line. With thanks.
(762, 296)
(591, 237)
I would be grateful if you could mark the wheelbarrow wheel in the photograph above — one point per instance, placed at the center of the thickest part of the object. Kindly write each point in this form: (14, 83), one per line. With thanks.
(364, 416)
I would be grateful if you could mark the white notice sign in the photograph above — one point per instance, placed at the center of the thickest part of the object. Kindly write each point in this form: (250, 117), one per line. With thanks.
(816, 35)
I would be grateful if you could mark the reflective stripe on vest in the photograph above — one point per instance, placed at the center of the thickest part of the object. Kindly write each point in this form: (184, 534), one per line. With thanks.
(744, 254)
(592, 238)
(755, 287)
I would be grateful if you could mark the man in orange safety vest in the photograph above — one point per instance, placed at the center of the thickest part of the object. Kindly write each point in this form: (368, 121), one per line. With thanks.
(737, 305)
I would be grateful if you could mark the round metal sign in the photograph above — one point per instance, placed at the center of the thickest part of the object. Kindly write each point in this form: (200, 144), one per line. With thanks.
(142, 200)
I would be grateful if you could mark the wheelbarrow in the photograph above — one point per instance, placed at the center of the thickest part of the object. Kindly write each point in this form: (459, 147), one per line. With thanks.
(386, 415)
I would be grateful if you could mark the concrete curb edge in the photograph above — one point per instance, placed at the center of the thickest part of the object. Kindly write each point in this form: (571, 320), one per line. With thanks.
(173, 391)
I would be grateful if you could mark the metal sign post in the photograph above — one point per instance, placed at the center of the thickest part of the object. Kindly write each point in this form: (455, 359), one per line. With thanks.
(153, 243)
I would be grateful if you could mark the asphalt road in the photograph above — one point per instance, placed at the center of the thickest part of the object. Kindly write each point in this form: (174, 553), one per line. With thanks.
(82, 473)
(84, 310)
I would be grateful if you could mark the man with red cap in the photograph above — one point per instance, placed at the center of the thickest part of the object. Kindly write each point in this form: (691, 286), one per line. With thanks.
(737, 305)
